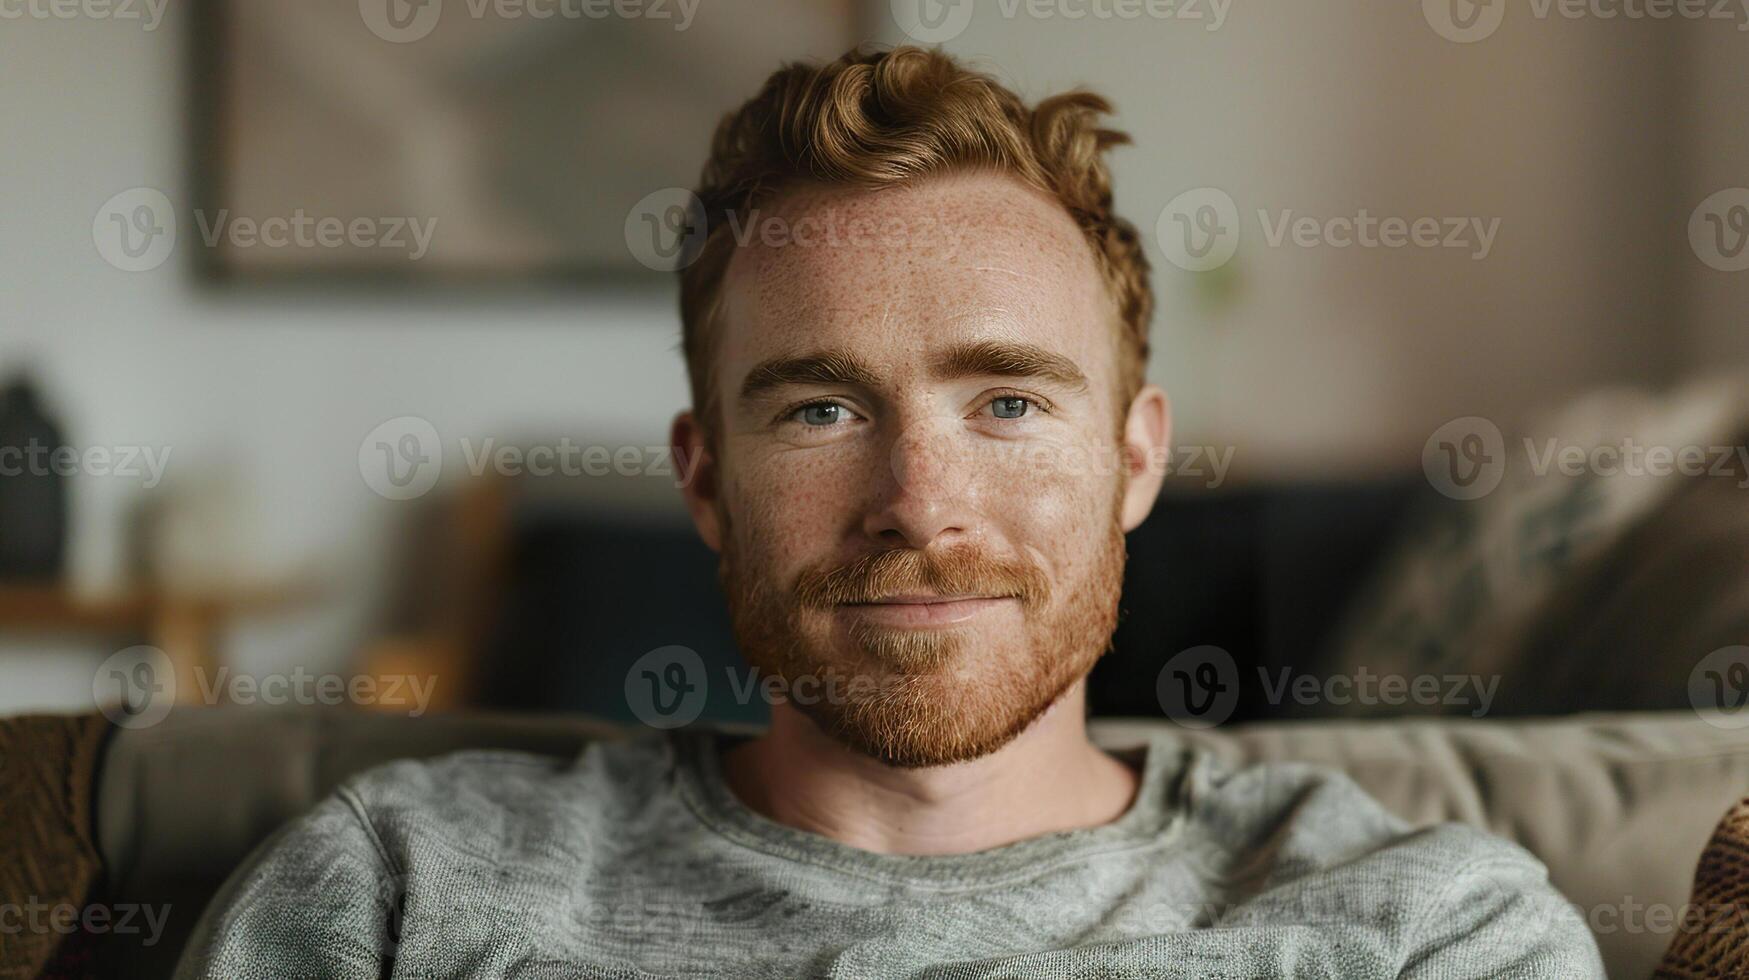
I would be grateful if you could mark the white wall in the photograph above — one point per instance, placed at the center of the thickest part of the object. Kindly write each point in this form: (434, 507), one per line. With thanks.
(1339, 362)
(1712, 154)
(277, 390)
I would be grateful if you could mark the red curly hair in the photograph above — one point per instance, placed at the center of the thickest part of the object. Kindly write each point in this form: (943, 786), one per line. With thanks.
(877, 119)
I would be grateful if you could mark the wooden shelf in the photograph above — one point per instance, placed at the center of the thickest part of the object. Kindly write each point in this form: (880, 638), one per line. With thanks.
(186, 626)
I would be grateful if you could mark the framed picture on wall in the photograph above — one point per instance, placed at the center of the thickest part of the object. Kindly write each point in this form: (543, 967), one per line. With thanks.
(467, 140)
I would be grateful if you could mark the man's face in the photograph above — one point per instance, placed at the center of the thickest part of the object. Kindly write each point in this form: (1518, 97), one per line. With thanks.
(919, 490)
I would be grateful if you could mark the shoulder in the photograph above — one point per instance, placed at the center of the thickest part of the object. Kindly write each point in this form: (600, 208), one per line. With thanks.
(471, 773)
(1305, 809)
(1323, 816)
(1450, 895)
(327, 893)
(485, 798)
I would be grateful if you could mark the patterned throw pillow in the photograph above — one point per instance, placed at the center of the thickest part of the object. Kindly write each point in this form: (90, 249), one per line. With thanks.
(1484, 587)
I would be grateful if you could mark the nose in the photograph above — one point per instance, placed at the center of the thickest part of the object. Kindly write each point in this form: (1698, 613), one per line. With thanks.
(926, 495)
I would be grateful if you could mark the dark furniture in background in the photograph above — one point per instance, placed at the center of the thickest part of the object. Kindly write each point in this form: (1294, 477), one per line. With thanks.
(1263, 573)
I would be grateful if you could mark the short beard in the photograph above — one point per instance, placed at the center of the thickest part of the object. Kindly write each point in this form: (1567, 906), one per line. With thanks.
(927, 704)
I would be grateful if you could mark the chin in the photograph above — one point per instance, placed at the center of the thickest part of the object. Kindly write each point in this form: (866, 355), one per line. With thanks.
(955, 708)
(910, 652)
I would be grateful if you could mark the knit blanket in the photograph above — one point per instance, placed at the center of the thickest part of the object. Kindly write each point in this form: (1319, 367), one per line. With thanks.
(1713, 940)
(48, 854)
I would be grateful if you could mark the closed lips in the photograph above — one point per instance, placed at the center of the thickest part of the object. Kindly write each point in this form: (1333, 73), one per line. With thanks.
(918, 599)
(924, 611)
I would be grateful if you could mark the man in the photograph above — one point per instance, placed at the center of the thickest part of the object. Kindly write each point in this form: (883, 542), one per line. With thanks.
(916, 334)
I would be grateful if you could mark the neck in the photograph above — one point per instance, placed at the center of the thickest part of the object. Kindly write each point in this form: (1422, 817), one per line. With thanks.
(1050, 778)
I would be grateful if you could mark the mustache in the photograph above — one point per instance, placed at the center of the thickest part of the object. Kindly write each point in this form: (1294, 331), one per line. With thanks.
(961, 571)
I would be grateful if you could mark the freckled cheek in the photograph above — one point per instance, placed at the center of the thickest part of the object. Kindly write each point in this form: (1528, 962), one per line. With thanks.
(793, 506)
(1049, 500)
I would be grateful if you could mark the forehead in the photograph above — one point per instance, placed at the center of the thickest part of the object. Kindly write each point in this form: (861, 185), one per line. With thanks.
(891, 274)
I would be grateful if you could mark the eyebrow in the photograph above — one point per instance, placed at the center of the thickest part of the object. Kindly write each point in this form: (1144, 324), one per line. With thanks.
(1001, 358)
(1006, 358)
(830, 367)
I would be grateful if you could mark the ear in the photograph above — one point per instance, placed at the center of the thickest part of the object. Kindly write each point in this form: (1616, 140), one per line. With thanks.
(1147, 435)
(697, 468)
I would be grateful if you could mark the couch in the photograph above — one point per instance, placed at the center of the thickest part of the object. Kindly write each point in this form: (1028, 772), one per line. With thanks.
(1617, 805)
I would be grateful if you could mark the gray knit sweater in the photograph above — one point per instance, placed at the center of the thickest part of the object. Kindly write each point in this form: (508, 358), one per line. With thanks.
(634, 860)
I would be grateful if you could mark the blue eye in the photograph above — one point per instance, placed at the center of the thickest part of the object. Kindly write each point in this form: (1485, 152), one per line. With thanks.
(821, 413)
(1009, 407)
